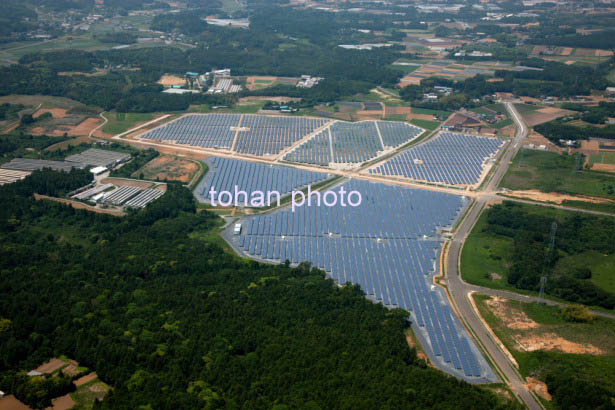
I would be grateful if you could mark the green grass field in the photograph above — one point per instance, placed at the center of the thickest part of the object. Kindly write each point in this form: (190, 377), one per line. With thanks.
(527, 108)
(485, 258)
(428, 125)
(552, 172)
(120, 122)
(427, 111)
(549, 324)
(396, 117)
(502, 124)
(406, 69)
(76, 43)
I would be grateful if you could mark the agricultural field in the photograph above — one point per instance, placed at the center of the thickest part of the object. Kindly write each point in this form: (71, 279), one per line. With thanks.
(168, 168)
(551, 172)
(120, 122)
(537, 114)
(548, 347)
(603, 158)
(260, 82)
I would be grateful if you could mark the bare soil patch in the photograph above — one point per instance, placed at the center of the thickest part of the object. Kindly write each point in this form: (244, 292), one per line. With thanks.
(397, 110)
(538, 387)
(512, 318)
(85, 379)
(545, 114)
(10, 402)
(370, 115)
(167, 168)
(62, 403)
(556, 197)
(71, 370)
(420, 354)
(52, 365)
(551, 341)
(80, 205)
(281, 99)
(603, 167)
(55, 112)
(82, 129)
(169, 80)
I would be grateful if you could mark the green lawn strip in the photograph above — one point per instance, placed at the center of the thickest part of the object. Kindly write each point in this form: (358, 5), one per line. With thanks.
(484, 260)
(427, 111)
(426, 124)
(120, 122)
(502, 124)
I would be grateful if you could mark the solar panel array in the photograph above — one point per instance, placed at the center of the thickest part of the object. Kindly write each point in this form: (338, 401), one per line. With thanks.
(144, 197)
(225, 173)
(121, 195)
(450, 158)
(99, 157)
(353, 143)
(315, 151)
(27, 164)
(8, 176)
(265, 135)
(395, 133)
(93, 191)
(387, 245)
(207, 131)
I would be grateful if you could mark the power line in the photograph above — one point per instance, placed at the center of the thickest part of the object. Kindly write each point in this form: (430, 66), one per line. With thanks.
(543, 278)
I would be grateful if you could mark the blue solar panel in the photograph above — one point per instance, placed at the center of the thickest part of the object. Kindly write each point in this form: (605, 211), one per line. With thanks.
(352, 143)
(453, 159)
(225, 173)
(387, 246)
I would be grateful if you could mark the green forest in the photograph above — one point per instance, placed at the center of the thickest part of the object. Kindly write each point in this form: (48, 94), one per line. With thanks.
(173, 321)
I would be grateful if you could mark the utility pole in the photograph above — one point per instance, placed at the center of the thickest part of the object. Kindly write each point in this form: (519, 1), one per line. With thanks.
(543, 278)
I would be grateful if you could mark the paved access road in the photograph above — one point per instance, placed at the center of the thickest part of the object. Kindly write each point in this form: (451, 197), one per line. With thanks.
(460, 291)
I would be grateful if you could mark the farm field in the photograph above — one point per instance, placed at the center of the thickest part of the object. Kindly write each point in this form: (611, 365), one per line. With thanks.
(552, 172)
(536, 114)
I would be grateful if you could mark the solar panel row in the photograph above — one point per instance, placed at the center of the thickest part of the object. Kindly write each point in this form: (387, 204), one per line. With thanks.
(226, 173)
(450, 158)
(208, 131)
(352, 143)
(387, 245)
(265, 135)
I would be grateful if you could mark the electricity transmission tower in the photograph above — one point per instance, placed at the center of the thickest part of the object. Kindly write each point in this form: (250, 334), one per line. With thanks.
(543, 278)
(579, 166)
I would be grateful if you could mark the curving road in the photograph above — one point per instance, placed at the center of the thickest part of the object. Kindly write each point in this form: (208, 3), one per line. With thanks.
(460, 291)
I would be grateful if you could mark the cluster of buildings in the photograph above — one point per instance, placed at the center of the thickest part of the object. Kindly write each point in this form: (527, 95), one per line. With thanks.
(475, 53)
(221, 82)
(307, 81)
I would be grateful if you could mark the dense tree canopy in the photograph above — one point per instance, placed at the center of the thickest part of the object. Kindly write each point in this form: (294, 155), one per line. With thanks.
(175, 322)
